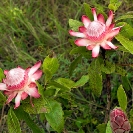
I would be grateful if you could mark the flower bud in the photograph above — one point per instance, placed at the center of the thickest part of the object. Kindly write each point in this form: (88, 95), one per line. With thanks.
(119, 121)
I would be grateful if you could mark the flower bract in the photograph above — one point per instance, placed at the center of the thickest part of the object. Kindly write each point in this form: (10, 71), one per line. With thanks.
(119, 121)
(97, 33)
(19, 83)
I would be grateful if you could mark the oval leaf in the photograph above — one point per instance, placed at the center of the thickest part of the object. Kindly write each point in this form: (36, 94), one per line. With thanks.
(95, 77)
(125, 42)
(84, 79)
(50, 66)
(74, 24)
(22, 115)
(122, 98)
(55, 116)
(108, 128)
(12, 122)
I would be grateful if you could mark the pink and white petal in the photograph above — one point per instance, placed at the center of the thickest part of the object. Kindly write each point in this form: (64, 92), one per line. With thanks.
(110, 18)
(77, 34)
(17, 100)
(24, 95)
(37, 75)
(32, 85)
(7, 93)
(113, 33)
(6, 71)
(82, 42)
(95, 51)
(111, 45)
(94, 14)
(82, 29)
(86, 21)
(100, 18)
(90, 47)
(3, 86)
(33, 92)
(34, 68)
(105, 46)
(10, 97)
(111, 27)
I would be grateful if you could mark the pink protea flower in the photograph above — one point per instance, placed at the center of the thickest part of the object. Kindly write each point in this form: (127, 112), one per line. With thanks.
(119, 121)
(96, 33)
(20, 83)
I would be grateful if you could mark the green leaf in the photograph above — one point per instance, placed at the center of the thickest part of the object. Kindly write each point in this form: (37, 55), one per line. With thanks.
(114, 5)
(57, 85)
(125, 42)
(126, 30)
(41, 90)
(2, 98)
(126, 83)
(108, 67)
(1, 74)
(95, 77)
(78, 50)
(101, 128)
(22, 115)
(84, 79)
(122, 48)
(88, 11)
(12, 122)
(39, 106)
(74, 24)
(124, 17)
(120, 70)
(66, 82)
(55, 116)
(108, 128)
(122, 98)
(50, 66)
(74, 64)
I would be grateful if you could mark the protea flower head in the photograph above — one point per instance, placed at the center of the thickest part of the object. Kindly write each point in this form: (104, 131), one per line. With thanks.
(96, 33)
(19, 83)
(119, 121)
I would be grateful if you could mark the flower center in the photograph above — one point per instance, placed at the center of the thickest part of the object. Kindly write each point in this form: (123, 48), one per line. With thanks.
(16, 78)
(96, 31)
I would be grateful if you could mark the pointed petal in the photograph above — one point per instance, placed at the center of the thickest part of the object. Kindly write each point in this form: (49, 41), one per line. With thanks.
(100, 18)
(82, 42)
(77, 34)
(37, 75)
(95, 51)
(111, 45)
(82, 29)
(24, 95)
(6, 71)
(34, 68)
(111, 27)
(17, 100)
(32, 85)
(113, 33)
(94, 14)
(110, 18)
(10, 97)
(85, 20)
(33, 92)
(2, 86)
(90, 47)
(105, 46)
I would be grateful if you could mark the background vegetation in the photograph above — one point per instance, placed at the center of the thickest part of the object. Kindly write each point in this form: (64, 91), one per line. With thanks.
(32, 29)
